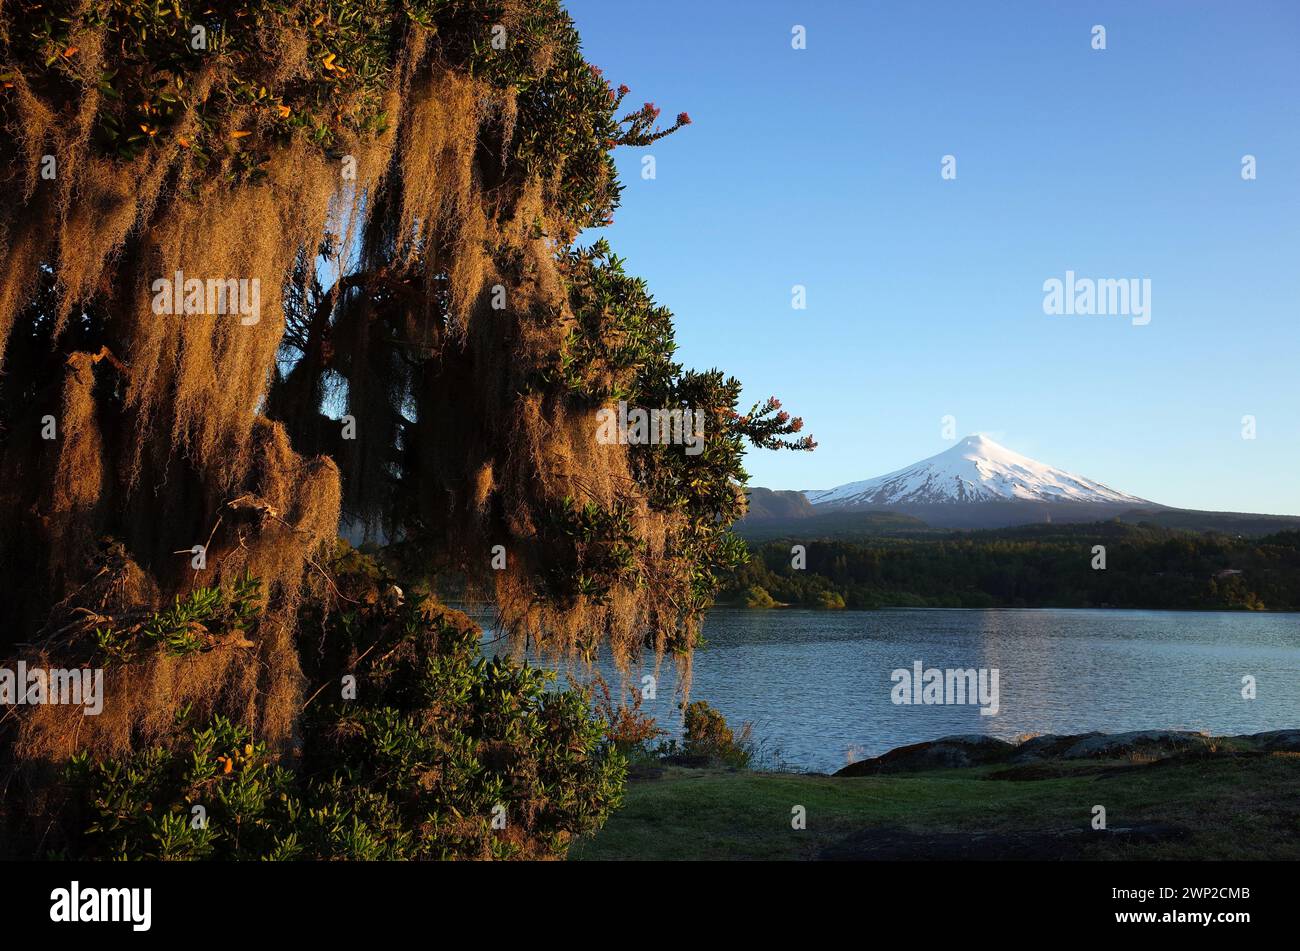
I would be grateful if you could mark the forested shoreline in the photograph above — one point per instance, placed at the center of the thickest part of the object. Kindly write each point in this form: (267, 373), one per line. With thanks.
(1146, 566)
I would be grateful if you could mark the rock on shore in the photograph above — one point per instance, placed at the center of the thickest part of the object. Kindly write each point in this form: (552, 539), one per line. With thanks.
(955, 752)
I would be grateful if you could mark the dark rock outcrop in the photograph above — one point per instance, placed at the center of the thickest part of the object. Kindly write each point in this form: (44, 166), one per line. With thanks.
(1278, 741)
(949, 752)
(956, 752)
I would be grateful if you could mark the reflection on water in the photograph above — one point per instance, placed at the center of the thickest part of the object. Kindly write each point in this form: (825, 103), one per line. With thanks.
(816, 684)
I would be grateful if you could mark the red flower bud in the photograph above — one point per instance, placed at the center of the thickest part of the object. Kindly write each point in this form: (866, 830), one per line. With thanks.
(683, 119)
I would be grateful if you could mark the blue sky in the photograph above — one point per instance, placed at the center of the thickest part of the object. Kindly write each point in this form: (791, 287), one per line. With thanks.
(821, 167)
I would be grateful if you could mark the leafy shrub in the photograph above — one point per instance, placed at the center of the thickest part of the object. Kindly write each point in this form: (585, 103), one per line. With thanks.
(184, 628)
(212, 794)
(454, 740)
(435, 752)
(830, 600)
(708, 735)
(628, 730)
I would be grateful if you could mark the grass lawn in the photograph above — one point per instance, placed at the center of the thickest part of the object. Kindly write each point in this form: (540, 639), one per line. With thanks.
(1218, 807)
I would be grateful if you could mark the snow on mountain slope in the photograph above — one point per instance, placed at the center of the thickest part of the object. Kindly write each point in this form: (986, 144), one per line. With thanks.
(975, 470)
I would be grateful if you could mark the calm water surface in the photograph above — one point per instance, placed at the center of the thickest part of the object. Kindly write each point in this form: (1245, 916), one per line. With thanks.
(816, 684)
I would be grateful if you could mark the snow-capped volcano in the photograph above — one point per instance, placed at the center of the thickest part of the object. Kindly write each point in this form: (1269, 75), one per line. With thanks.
(975, 470)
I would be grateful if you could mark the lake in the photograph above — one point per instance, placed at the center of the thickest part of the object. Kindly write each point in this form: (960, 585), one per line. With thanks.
(816, 685)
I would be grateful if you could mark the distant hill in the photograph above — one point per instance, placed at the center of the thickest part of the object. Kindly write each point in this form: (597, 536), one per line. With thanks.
(767, 504)
(843, 524)
(1228, 523)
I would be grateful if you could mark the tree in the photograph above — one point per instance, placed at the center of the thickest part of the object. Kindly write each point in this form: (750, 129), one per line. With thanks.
(297, 261)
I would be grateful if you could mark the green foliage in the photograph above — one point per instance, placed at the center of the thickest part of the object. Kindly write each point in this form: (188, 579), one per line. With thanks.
(152, 76)
(447, 736)
(708, 735)
(704, 487)
(830, 600)
(143, 806)
(622, 339)
(188, 625)
(602, 550)
(621, 348)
